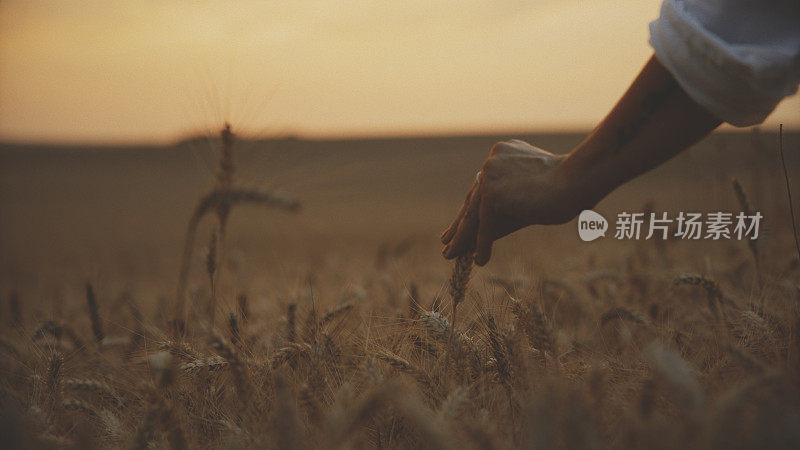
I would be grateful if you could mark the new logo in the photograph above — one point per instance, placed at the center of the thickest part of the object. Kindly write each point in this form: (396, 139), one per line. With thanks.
(591, 225)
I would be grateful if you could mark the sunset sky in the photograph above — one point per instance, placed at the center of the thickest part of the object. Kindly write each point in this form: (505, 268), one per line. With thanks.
(152, 71)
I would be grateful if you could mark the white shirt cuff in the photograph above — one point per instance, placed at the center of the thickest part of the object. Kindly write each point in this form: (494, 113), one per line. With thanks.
(740, 82)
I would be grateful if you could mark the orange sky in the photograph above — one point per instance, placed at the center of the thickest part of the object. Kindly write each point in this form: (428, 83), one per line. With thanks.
(140, 70)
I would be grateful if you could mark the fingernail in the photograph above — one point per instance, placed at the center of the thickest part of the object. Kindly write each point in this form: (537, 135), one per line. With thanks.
(448, 252)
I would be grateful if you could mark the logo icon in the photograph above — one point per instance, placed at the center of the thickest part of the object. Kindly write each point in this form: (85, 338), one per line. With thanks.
(591, 225)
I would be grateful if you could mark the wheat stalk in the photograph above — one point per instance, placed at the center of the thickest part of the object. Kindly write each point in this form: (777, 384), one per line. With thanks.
(238, 369)
(289, 352)
(94, 314)
(234, 331)
(73, 404)
(741, 196)
(713, 291)
(404, 366)
(623, 314)
(211, 362)
(334, 313)
(180, 349)
(244, 309)
(96, 387)
(533, 323)
(291, 322)
(459, 279)
(160, 414)
(211, 270)
(57, 330)
(54, 372)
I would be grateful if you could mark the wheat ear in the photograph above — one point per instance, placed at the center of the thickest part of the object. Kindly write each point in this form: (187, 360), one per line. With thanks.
(459, 280)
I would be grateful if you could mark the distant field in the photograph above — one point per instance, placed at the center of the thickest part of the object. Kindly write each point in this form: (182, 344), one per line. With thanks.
(68, 200)
(609, 346)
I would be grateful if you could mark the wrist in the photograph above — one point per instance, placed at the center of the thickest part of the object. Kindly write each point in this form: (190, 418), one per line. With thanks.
(581, 183)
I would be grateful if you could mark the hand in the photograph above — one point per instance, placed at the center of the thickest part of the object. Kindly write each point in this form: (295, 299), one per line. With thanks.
(518, 185)
(521, 185)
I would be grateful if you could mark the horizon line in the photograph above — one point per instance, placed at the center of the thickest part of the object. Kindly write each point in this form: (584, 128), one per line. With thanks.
(340, 137)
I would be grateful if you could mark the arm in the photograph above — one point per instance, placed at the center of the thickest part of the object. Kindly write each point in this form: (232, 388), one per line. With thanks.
(652, 122)
(520, 185)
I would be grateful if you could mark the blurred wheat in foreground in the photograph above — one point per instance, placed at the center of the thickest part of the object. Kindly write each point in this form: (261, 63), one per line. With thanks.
(685, 362)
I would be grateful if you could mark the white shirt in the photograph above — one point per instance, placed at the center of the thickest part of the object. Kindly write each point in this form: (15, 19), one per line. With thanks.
(737, 58)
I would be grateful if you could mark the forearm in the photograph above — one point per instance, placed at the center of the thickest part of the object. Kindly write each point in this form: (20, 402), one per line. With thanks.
(654, 121)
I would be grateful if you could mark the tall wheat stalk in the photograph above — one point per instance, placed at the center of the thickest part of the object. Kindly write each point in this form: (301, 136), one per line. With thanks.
(220, 201)
(94, 314)
(741, 196)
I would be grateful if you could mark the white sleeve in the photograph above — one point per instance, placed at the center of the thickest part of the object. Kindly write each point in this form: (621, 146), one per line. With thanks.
(737, 58)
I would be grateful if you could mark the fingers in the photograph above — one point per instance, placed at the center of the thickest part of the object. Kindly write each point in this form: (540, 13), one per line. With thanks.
(463, 242)
(486, 235)
(448, 234)
(492, 226)
(484, 249)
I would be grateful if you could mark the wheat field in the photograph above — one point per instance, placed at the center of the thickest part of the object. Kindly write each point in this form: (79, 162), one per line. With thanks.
(307, 305)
